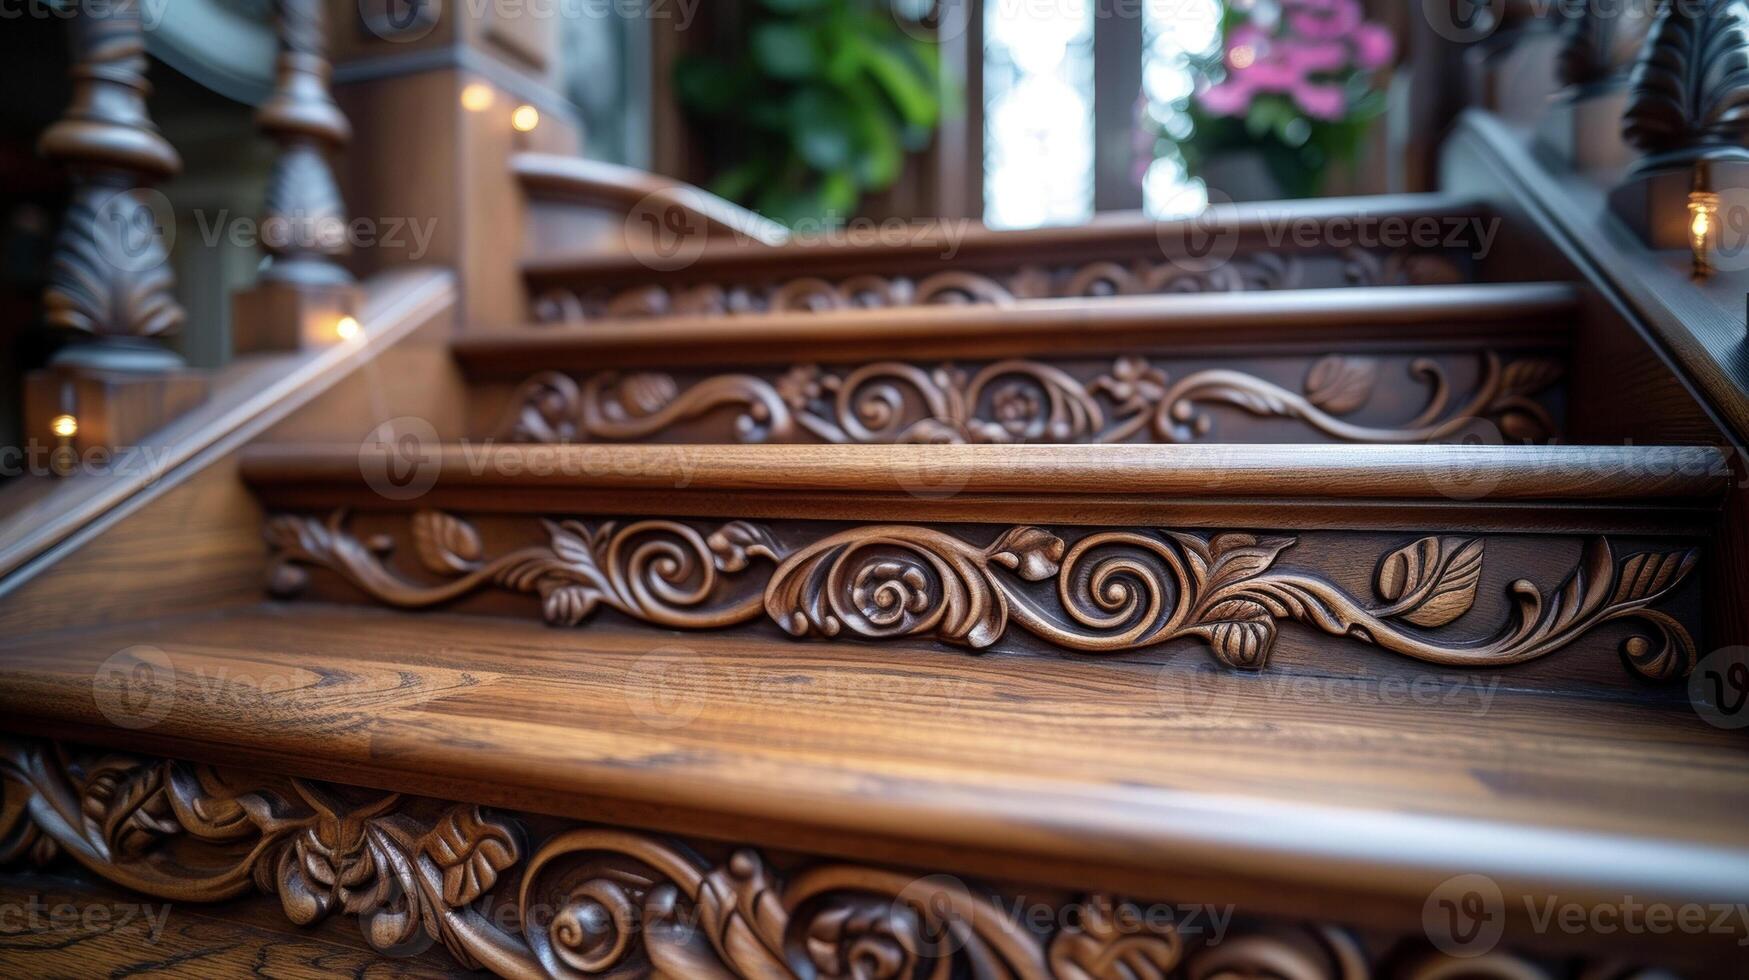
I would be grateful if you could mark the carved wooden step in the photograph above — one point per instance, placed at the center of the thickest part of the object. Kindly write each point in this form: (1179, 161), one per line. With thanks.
(679, 261)
(1068, 779)
(1384, 365)
(1577, 565)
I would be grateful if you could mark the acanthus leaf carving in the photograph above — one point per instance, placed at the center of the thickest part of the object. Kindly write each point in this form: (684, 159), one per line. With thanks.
(1689, 94)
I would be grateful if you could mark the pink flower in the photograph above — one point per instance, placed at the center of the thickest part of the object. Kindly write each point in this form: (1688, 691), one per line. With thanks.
(1320, 101)
(1230, 98)
(1324, 20)
(1310, 56)
(1373, 46)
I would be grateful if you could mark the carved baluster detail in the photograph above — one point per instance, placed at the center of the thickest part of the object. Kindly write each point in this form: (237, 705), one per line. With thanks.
(109, 278)
(303, 293)
(1688, 101)
(1690, 89)
(304, 220)
(109, 275)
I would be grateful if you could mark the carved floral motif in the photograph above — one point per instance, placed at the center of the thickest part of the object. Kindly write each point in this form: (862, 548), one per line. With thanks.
(1105, 592)
(597, 901)
(1020, 401)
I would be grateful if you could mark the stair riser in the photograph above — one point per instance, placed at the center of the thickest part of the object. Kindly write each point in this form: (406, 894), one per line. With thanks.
(1325, 602)
(1482, 394)
(944, 281)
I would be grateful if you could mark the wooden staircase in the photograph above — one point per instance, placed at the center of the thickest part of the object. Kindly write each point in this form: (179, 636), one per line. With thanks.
(1228, 597)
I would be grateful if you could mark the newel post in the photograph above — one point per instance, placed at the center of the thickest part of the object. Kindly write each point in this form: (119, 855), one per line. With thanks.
(110, 283)
(303, 296)
(1688, 115)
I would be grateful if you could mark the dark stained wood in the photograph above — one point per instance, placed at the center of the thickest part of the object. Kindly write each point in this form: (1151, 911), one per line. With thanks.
(1320, 319)
(1695, 475)
(1087, 774)
(969, 245)
(87, 929)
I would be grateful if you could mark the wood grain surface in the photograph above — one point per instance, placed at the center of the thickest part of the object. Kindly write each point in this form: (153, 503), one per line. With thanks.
(1085, 774)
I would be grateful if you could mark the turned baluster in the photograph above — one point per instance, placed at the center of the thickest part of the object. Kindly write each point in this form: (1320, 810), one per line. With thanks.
(1688, 115)
(109, 280)
(303, 296)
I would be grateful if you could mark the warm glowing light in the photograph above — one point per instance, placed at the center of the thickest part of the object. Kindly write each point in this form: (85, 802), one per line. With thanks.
(64, 426)
(1702, 206)
(1242, 56)
(347, 328)
(477, 97)
(525, 118)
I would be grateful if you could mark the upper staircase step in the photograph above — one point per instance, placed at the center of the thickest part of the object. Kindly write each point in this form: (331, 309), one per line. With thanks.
(1391, 364)
(1128, 775)
(1408, 239)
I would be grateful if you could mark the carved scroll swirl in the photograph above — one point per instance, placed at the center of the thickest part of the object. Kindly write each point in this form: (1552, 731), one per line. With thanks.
(660, 572)
(190, 833)
(1111, 591)
(599, 901)
(1020, 401)
(589, 902)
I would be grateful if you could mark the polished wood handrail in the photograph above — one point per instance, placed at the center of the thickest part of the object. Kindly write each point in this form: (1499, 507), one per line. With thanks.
(551, 176)
(44, 517)
(1697, 327)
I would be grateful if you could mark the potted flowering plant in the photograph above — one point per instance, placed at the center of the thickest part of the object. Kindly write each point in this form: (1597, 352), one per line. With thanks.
(1290, 90)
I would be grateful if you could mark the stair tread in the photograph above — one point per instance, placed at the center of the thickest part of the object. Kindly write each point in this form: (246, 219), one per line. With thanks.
(1509, 314)
(1163, 768)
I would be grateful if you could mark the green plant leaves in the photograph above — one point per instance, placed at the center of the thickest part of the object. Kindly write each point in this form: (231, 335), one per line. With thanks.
(785, 50)
(820, 105)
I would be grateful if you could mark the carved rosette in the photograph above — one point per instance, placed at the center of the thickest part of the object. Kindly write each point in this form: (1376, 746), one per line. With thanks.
(1105, 592)
(109, 273)
(1689, 95)
(810, 294)
(304, 220)
(1011, 401)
